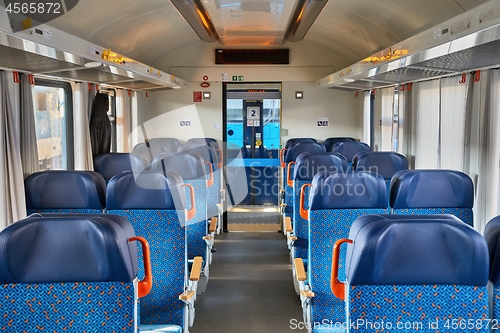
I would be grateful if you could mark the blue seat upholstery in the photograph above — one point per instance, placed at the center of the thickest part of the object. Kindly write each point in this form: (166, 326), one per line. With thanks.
(68, 273)
(349, 149)
(192, 169)
(62, 191)
(492, 236)
(421, 270)
(111, 164)
(291, 141)
(334, 204)
(385, 163)
(433, 192)
(330, 142)
(294, 150)
(304, 172)
(155, 204)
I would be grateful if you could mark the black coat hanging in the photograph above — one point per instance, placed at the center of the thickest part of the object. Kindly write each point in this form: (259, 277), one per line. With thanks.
(100, 126)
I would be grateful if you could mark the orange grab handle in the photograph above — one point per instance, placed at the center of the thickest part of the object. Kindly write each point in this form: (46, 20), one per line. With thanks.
(289, 180)
(282, 157)
(145, 284)
(210, 181)
(338, 288)
(220, 157)
(191, 212)
(304, 213)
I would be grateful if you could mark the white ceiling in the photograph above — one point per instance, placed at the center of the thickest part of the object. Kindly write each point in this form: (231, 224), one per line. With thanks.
(146, 30)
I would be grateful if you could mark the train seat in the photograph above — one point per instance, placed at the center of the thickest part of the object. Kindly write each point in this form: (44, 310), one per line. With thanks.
(155, 204)
(110, 164)
(64, 191)
(492, 236)
(208, 153)
(71, 273)
(193, 171)
(151, 149)
(307, 167)
(330, 142)
(415, 274)
(350, 149)
(385, 163)
(433, 192)
(335, 201)
(293, 151)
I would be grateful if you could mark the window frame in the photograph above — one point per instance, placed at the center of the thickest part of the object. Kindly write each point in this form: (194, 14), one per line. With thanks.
(69, 132)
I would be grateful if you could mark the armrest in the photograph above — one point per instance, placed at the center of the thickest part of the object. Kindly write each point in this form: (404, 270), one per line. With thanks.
(288, 224)
(196, 269)
(300, 270)
(213, 225)
(187, 295)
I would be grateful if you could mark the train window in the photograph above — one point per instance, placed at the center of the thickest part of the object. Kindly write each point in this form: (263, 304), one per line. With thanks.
(53, 107)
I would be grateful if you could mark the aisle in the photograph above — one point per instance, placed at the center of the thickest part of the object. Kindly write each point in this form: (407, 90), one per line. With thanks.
(250, 288)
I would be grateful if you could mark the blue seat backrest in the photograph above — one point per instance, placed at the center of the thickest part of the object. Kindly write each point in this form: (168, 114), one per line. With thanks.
(192, 169)
(80, 267)
(492, 236)
(62, 191)
(418, 266)
(433, 192)
(207, 141)
(155, 203)
(385, 163)
(291, 141)
(111, 164)
(151, 149)
(174, 143)
(349, 149)
(304, 172)
(185, 164)
(207, 153)
(296, 149)
(334, 204)
(330, 142)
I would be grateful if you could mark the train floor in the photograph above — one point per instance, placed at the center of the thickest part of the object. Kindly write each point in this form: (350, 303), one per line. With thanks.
(250, 287)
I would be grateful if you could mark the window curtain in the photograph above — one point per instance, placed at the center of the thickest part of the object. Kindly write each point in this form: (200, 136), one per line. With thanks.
(123, 120)
(386, 118)
(366, 117)
(488, 185)
(405, 125)
(28, 141)
(12, 199)
(452, 124)
(138, 117)
(426, 105)
(84, 97)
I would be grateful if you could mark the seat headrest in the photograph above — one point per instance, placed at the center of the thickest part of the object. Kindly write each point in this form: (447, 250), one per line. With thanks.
(416, 250)
(64, 189)
(385, 163)
(356, 158)
(302, 157)
(303, 147)
(291, 141)
(151, 149)
(66, 248)
(188, 166)
(148, 190)
(431, 189)
(349, 149)
(110, 164)
(208, 141)
(330, 142)
(492, 236)
(174, 143)
(309, 166)
(351, 190)
(206, 152)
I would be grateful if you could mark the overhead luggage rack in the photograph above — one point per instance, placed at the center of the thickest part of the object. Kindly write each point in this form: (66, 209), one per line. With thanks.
(466, 43)
(61, 55)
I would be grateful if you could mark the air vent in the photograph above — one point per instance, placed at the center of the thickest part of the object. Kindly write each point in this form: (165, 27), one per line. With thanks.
(252, 57)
